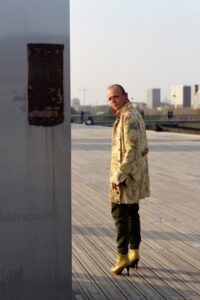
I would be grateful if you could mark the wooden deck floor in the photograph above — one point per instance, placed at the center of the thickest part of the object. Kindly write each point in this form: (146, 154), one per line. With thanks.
(170, 219)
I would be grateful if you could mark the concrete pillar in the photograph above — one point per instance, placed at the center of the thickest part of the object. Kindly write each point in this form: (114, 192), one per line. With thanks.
(35, 208)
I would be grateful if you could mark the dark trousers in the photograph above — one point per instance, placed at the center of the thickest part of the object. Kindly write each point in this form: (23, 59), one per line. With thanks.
(127, 223)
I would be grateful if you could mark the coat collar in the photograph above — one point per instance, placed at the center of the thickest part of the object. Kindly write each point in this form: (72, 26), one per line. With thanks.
(123, 109)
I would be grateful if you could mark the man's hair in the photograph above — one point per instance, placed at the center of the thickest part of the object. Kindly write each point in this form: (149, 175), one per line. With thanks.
(118, 86)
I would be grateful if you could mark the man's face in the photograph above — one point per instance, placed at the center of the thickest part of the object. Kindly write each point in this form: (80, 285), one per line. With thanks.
(116, 98)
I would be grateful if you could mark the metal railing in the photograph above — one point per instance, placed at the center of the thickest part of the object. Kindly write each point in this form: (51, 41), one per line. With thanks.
(108, 120)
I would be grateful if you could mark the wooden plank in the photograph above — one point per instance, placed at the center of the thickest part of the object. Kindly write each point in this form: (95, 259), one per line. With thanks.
(173, 275)
(78, 291)
(90, 289)
(191, 273)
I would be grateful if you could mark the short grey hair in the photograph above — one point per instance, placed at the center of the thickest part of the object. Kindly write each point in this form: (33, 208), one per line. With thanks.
(118, 86)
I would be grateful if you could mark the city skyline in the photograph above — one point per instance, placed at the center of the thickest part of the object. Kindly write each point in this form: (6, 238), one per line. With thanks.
(141, 45)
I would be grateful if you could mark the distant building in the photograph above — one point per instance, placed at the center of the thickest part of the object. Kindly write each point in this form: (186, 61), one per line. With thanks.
(181, 96)
(196, 103)
(153, 98)
(76, 103)
(194, 89)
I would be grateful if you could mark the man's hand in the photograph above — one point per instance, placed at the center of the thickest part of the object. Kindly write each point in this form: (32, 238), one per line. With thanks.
(116, 186)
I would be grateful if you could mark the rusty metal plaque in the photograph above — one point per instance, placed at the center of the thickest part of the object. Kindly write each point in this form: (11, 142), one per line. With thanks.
(45, 84)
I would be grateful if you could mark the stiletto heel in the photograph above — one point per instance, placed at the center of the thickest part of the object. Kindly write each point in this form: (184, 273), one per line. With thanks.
(127, 268)
(134, 264)
(134, 258)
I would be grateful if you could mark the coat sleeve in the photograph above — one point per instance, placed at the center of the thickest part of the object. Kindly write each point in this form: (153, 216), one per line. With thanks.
(129, 144)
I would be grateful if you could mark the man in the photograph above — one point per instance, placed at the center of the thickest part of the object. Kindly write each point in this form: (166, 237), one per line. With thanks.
(82, 116)
(129, 178)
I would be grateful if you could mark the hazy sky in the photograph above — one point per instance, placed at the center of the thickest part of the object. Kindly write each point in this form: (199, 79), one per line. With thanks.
(140, 44)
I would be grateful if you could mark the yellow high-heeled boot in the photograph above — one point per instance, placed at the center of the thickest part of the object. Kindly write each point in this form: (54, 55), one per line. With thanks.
(134, 258)
(121, 263)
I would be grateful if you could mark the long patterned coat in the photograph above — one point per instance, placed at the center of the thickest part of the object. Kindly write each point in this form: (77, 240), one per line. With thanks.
(129, 164)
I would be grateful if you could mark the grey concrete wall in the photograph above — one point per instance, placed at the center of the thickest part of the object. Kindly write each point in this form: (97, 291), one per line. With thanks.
(35, 209)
